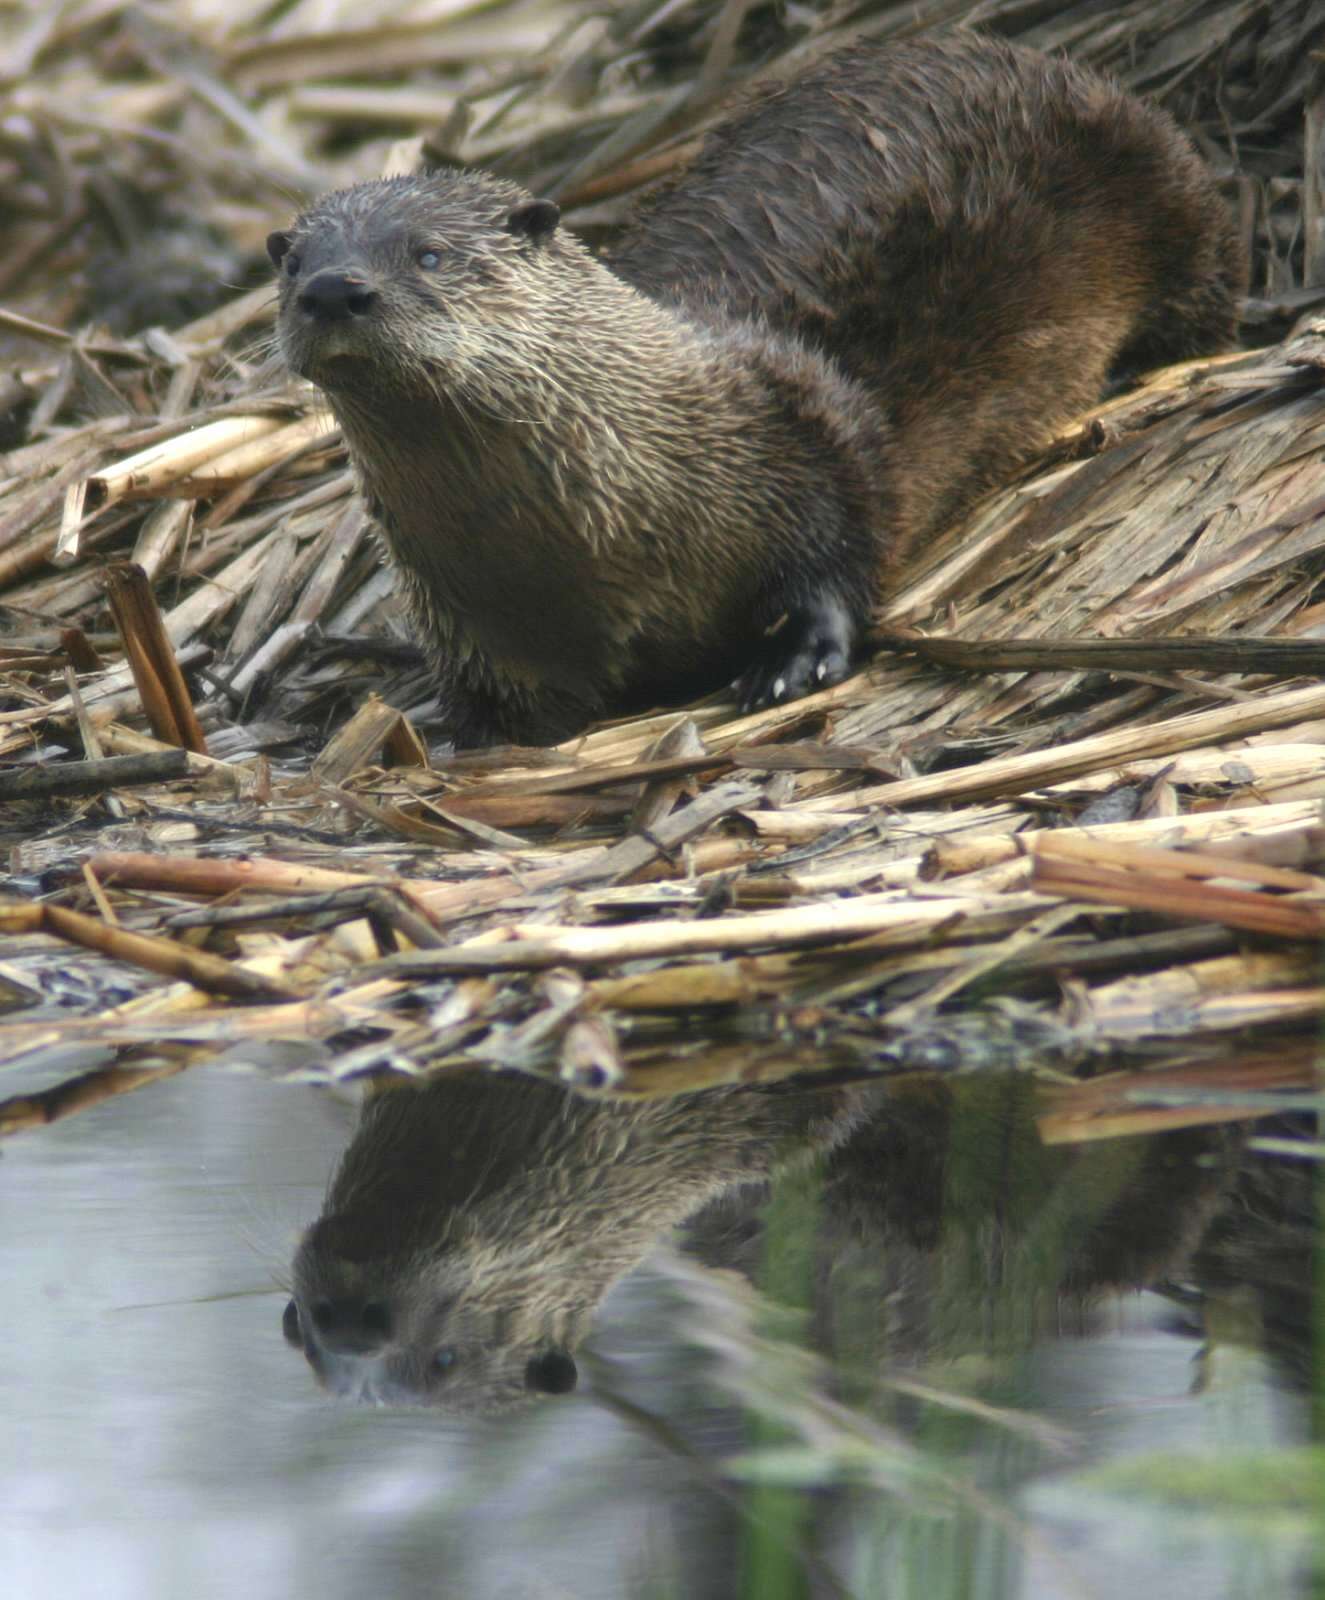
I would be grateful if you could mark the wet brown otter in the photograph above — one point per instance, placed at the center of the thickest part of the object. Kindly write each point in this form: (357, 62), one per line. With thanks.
(476, 1223)
(877, 291)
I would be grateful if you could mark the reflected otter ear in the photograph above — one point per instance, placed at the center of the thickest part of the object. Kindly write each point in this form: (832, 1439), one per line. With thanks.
(290, 1326)
(554, 1372)
(278, 245)
(535, 220)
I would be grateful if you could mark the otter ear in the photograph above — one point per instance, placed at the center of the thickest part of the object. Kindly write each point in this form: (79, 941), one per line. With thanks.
(554, 1372)
(290, 1326)
(278, 245)
(535, 220)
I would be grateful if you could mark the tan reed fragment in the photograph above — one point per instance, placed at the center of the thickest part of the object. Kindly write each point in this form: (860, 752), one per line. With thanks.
(152, 659)
(1174, 895)
(152, 472)
(1286, 830)
(24, 1113)
(1112, 1106)
(1071, 846)
(163, 956)
(252, 456)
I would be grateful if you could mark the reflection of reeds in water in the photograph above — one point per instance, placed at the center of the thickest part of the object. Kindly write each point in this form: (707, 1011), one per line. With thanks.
(883, 1374)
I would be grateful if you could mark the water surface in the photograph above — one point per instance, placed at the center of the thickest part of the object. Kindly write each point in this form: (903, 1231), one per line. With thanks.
(164, 1441)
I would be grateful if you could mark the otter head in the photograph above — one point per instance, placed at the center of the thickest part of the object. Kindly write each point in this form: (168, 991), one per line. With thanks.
(412, 284)
(458, 1326)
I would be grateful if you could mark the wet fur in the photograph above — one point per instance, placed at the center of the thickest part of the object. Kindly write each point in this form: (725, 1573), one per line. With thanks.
(877, 292)
(490, 1214)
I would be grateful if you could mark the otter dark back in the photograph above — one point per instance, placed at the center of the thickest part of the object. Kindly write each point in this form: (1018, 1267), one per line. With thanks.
(941, 174)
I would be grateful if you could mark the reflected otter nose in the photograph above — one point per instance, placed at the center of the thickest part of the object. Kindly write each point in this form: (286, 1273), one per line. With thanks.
(353, 1325)
(334, 296)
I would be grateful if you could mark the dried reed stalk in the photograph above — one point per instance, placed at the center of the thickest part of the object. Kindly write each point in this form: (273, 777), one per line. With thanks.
(156, 673)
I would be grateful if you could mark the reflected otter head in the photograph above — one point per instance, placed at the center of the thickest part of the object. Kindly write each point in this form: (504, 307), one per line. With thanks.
(462, 1329)
(476, 1224)
(364, 1366)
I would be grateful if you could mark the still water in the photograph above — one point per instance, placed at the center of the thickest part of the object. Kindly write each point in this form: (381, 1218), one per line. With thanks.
(898, 1376)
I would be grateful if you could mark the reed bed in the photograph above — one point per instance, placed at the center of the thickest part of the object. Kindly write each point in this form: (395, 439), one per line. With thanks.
(1067, 819)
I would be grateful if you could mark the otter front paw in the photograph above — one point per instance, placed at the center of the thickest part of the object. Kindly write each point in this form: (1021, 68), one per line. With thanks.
(809, 651)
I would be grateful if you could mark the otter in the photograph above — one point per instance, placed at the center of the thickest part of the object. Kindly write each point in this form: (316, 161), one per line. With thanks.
(876, 292)
(476, 1222)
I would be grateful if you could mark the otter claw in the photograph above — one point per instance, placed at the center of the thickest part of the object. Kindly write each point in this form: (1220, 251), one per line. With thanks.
(811, 651)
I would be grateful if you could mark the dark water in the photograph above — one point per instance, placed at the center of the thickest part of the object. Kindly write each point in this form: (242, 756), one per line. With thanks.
(161, 1439)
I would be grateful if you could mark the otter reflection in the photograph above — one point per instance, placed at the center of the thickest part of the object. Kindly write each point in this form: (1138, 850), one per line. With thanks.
(476, 1223)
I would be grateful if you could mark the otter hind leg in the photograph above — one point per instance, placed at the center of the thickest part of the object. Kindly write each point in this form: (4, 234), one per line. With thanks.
(483, 710)
(811, 649)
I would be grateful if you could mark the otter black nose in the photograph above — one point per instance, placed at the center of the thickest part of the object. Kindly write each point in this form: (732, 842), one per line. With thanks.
(333, 296)
(358, 1326)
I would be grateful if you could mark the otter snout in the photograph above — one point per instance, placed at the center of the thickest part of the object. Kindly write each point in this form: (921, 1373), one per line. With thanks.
(352, 1325)
(334, 295)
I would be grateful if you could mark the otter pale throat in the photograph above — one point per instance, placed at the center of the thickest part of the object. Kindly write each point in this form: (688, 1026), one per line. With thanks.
(876, 292)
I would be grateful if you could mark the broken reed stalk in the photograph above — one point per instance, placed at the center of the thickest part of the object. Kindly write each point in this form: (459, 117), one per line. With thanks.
(164, 956)
(1178, 863)
(92, 777)
(531, 946)
(1104, 875)
(383, 905)
(1004, 775)
(1284, 658)
(151, 657)
(375, 729)
(22, 1113)
(1000, 775)
(535, 946)
(158, 470)
(1114, 1106)
(1285, 834)
(80, 650)
(634, 855)
(204, 875)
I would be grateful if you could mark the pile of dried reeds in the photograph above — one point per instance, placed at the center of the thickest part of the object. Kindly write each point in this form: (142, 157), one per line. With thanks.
(879, 877)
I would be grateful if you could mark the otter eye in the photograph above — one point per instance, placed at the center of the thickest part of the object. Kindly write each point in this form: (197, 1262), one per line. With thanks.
(429, 259)
(444, 1359)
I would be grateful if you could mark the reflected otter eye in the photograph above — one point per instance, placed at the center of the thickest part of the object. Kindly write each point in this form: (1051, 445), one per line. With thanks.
(290, 1326)
(429, 259)
(444, 1359)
